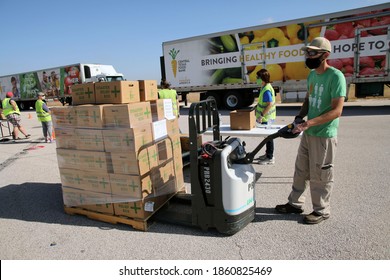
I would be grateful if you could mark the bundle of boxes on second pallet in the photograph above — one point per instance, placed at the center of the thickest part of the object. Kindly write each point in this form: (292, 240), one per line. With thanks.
(118, 151)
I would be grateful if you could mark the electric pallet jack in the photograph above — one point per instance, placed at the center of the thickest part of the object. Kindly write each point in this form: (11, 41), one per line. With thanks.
(222, 177)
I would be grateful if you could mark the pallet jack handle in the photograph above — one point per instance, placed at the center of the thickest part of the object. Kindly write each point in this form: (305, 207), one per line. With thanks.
(284, 132)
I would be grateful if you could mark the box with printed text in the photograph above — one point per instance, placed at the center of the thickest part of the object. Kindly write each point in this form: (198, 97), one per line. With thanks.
(85, 180)
(89, 200)
(83, 94)
(148, 90)
(135, 162)
(127, 115)
(117, 92)
(64, 116)
(131, 139)
(90, 116)
(84, 160)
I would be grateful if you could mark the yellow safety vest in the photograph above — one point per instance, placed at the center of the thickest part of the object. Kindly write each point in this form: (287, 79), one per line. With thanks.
(8, 109)
(43, 116)
(271, 114)
(170, 94)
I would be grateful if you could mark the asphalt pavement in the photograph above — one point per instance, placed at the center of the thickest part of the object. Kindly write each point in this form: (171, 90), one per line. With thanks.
(34, 226)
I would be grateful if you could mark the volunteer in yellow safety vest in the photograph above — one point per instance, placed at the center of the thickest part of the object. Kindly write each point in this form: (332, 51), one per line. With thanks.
(167, 93)
(44, 116)
(266, 112)
(11, 111)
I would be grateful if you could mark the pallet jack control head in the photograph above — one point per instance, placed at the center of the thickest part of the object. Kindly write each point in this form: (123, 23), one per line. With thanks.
(285, 132)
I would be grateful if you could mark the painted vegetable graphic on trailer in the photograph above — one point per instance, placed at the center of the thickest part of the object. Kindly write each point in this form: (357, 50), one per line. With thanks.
(55, 82)
(224, 65)
(173, 53)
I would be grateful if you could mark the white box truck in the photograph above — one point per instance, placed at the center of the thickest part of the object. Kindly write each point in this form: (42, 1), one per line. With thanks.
(56, 82)
(223, 65)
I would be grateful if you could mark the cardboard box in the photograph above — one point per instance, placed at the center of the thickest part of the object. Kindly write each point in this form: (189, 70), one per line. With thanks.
(161, 109)
(163, 179)
(169, 152)
(90, 116)
(84, 160)
(64, 116)
(173, 128)
(93, 201)
(117, 92)
(89, 139)
(135, 162)
(85, 180)
(106, 208)
(148, 90)
(242, 119)
(127, 115)
(131, 139)
(130, 186)
(141, 209)
(160, 181)
(185, 142)
(168, 148)
(83, 94)
(66, 137)
(177, 151)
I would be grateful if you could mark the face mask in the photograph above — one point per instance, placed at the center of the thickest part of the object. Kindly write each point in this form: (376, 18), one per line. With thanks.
(313, 63)
(258, 81)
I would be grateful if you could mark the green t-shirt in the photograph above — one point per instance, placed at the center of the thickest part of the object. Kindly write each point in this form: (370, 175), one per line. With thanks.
(322, 89)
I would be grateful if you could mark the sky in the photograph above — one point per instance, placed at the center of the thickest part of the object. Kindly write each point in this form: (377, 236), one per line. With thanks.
(128, 34)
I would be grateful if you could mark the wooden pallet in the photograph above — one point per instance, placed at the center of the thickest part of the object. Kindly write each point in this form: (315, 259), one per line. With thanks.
(112, 219)
(139, 224)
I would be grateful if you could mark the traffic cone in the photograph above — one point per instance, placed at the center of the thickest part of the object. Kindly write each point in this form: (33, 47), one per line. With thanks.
(29, 116)
(53, 135)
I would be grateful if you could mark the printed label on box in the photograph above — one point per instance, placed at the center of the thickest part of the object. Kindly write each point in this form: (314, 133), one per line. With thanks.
(149, 206)
(159, 129)
(168, 109)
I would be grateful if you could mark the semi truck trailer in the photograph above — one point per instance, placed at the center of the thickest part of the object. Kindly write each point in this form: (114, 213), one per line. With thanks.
(55, 82)
(223, 65)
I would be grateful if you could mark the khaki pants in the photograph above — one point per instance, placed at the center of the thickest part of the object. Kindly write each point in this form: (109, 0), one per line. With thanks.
(314, 167)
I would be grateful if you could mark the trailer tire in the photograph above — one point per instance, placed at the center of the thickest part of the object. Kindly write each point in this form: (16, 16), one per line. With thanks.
(232, 100)
(22, 106)
(213, 95)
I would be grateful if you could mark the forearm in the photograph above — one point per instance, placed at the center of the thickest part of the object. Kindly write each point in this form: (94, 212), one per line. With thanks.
(305, 108)
(13, 104)
(335, 112)
(45, 108)
(266, 110)
(327, 117)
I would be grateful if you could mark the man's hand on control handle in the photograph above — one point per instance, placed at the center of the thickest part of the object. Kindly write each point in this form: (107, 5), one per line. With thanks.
(299, 125)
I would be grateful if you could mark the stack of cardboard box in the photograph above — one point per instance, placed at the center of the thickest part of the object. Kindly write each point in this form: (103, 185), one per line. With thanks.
(119, 149)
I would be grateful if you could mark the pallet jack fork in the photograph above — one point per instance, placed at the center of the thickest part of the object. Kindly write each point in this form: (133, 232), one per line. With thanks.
(222, 192)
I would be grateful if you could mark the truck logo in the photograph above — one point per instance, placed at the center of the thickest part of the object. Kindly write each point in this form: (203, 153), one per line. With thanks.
(173, 53)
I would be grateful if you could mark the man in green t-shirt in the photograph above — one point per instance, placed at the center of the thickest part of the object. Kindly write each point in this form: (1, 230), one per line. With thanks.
(323, 105)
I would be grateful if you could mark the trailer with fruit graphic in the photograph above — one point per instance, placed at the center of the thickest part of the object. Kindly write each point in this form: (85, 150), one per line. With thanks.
(54, 82)
(223, 65)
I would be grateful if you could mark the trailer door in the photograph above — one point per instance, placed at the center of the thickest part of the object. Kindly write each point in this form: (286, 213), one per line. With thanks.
(372, 66)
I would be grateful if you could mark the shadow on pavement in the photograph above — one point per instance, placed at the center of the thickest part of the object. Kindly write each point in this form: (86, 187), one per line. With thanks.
(43, 203)
(263, 214)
